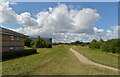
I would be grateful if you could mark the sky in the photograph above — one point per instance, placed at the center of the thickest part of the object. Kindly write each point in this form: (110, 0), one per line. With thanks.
(62, 0)
(62, 21)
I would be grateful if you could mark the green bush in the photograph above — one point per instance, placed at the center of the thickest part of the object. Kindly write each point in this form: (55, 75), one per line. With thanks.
(94, 44)
(48, 44)
(33, 44)
(27, 41)
(111, 46)
(55, 43)
(101, 41)
(13, 54)
(41, 43)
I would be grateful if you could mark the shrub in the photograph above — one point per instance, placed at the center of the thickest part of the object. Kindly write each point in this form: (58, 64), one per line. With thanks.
(77, 42)
(41, 43)
(55, 43)
(94, 40)
(48, 44)
(33, 44)
(85, 44)
(94, 44)
(101, 41)
(13, 54)
(111, 46)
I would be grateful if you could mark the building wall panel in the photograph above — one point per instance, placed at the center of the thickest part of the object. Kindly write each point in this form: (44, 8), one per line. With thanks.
(5, 49)
(7, 43)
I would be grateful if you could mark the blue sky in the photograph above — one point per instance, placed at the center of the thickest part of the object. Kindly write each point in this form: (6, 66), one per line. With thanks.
(62, 0)
(108, 11)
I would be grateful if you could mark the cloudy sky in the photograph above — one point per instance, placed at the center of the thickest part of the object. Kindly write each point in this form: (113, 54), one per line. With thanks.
(64, 22)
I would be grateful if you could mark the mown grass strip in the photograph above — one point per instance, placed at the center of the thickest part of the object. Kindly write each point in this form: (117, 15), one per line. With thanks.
(96, 55)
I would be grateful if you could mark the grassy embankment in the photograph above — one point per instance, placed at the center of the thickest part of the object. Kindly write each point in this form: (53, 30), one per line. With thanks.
(58, 60)
(96, 55)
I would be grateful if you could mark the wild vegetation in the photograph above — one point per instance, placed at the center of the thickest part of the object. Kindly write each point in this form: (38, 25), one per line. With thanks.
(38, 43)
(27, 41)
(96, 44)
(74, 43)
(57, 60)
(96, 55)
(112, 45)
(16, 54)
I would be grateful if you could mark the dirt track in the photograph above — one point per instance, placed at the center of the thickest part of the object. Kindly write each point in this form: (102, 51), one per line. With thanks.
(85, 60)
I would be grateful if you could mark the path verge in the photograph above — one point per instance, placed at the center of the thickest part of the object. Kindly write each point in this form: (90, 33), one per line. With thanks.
(85, 60)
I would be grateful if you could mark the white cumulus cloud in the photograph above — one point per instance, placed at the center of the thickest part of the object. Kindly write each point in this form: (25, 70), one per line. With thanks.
(26, 20)
(115, 33)
(13, 3)
(61, 24)
(7, 15)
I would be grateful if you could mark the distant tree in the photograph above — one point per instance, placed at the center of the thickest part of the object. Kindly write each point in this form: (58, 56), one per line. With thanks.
(112, 45)
(41, 43)
(77, 42)
(101, 41)
(37, 43)
(94, 40)
(72, 43)
(48, 44)
(55, 44)
(94, 44)
(27, 41)
(33, 43)
(85, 44)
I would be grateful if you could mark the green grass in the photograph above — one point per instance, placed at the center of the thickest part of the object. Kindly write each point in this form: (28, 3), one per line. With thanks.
(58, 60)
(25, 47)
(98, 56)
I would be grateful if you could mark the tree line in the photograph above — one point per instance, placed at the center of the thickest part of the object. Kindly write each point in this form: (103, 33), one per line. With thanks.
(39, 42)
(73, 43)
(112, 45)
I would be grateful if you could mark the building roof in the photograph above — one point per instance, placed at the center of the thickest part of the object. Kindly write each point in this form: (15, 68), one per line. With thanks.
(10, 32)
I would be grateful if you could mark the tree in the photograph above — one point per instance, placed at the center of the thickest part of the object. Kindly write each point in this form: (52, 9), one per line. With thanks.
(94, 40)
(55, 44)
(111, 46)
(101, 42)
(41, 43)
(33, 43)
(77, 42)
(94, 44)
(27, 41)
(48, 44)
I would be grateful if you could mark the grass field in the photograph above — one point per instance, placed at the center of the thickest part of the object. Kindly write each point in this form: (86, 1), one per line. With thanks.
(98, 56)
(25, 47)
(58, 60)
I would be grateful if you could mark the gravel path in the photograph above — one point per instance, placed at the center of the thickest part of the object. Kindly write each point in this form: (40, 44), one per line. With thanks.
(85, 60)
